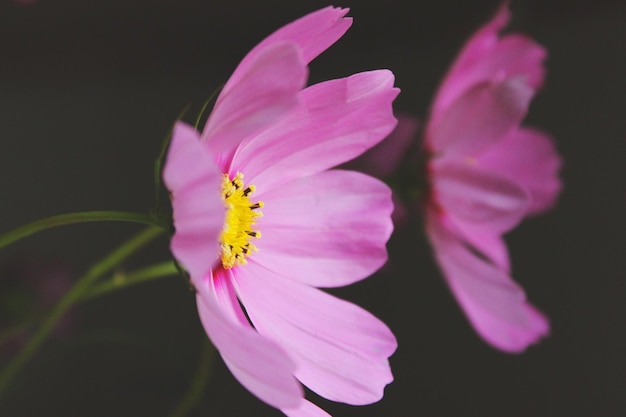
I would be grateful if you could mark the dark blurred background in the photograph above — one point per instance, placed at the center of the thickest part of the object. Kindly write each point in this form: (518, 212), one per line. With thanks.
(89, 89)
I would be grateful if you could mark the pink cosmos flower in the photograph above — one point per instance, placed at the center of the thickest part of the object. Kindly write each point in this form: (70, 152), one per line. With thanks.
(261, 221)
(486, 173)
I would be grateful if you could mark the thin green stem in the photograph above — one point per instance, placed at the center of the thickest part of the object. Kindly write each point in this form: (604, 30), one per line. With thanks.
(121, 280)
(198, 384)
(206, 105)
(158, 162)
(18, 328)
(71, 297)
(73, 218)
(118, 281)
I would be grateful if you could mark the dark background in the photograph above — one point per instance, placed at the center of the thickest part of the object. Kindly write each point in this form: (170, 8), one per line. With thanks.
(89, 89)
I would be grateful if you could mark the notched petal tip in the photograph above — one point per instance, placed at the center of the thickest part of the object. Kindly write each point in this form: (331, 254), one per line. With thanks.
(494, 304)
(313, 33)
(488, 56)
(516, 340)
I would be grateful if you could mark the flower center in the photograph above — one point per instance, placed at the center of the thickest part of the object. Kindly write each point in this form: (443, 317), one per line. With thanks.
(241, 215)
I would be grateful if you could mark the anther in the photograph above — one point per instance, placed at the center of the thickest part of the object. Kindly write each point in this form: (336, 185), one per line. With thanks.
(240, 221)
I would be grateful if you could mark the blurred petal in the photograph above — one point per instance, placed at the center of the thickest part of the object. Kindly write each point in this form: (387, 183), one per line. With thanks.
(476, 196)
(258, 363)
(327, 230)
(340, 349)
(266, 90)
(490, 244)
(487, 57)
(529, 158)
(494, 304)
(194, 183)
(336, 121)
(479, 118)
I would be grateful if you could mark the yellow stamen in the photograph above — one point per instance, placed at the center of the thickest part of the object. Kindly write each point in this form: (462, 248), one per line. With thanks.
(241, 215)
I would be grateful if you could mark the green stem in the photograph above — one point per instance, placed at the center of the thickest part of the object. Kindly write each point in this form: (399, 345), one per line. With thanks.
(198, 384)
(158, 163)
(121, 280)
(18, 328)
(118, 281)
(206, 104)
(71, 297)
(73, 218)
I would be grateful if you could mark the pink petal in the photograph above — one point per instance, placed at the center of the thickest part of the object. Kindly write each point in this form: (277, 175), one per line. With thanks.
(306, 409)
(326, 230)
(494, 304)
(194, 183)
(218, 286)
(490, 244)
(312, 34)
(257, 362)
(479, 118)
(340, 349)
(476, 196)
(266, 90)
(487, 57)
(529, 158)
(337, 121)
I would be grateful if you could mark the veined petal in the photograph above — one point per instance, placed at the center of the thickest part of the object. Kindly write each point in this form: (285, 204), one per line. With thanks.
(482, 198)
(340, 349)
(218, 286)
(336, 121)
(488, 57)
(493, 303)
(312, 34)
(479, 118)
(326, 230)
(257, 362)
(306, 409)
(194, 181)
(529, 158)
(264, 92)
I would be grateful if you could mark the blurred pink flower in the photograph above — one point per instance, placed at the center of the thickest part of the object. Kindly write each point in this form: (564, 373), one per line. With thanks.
(320, 227)
(486, 173)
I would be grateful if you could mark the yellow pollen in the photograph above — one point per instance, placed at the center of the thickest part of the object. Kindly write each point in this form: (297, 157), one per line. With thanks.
(241, 215)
